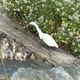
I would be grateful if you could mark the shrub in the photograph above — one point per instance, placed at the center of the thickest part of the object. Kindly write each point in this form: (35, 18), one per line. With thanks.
(60, 18)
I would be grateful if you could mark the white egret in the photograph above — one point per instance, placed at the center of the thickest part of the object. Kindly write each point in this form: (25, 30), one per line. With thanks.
(45, 37)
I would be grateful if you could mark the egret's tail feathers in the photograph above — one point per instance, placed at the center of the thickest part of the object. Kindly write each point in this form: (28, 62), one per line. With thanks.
(57, 46)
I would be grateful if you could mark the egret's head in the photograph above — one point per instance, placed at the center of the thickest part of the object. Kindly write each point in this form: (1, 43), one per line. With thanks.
(37, 27)
(32, 23)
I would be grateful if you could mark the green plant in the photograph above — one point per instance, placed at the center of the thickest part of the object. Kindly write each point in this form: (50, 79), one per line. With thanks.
(60, 18)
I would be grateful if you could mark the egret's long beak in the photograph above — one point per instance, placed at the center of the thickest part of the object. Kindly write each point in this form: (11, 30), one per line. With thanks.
(28, 25)
(32, 24)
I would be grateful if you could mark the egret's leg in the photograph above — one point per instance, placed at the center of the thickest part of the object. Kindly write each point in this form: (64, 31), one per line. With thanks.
(52, 49)
(43, 44)
(46, 46)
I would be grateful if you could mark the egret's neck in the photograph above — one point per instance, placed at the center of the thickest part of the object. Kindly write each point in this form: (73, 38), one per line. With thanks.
(39, 31)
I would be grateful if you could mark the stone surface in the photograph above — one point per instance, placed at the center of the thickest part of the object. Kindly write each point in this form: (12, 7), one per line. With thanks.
(58, 73)
(32, 43)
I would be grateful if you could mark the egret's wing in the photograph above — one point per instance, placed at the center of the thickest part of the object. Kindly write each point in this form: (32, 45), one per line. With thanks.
(49, 40)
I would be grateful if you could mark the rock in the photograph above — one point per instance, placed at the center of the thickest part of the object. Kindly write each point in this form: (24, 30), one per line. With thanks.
(74, 72)
(33, 44)
(12, 50)
(58, 73)
(61, 74)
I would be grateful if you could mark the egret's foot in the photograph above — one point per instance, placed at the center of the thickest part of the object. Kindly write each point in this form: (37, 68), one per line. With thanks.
(46, 46)
(51, 49)
(43, 44)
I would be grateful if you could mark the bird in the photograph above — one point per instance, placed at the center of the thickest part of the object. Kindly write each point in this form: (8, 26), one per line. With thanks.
(44, 36)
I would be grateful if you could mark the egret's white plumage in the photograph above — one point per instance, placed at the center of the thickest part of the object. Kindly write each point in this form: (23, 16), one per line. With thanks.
(45, 37)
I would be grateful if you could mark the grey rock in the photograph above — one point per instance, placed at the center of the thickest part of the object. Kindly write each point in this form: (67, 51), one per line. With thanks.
(58, 73)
